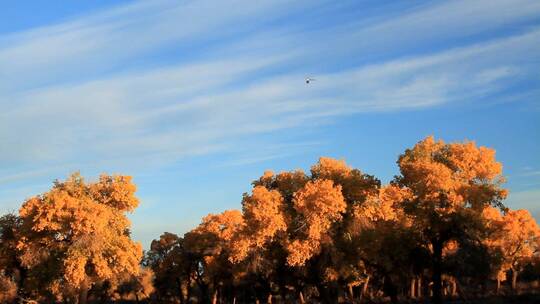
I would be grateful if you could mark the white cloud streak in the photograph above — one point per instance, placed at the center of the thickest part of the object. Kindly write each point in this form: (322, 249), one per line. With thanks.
(186, 108)
(156, 81)
(528, 199)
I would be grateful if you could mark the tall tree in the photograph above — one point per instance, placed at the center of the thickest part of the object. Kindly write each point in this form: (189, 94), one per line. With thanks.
(77, 234)
(450, 186)
(385, 242)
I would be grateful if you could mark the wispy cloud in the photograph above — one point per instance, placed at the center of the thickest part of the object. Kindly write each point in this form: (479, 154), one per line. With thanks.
(529, 200)
(155, 81)
(189, 108)
(9, 178)
(256, 154)
(531, 173)
(99, 43)
(196, 106)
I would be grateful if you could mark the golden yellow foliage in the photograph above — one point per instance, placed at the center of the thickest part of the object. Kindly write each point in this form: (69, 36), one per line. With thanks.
(450, 183)
(319, 203)
(263, 216)
(289, 182)
(116, 191)
(214, 235)
(84, 224)
(209, 246)
(223, 226)
(385, 206)
(515, 234)
(329, 168)
(449, 176)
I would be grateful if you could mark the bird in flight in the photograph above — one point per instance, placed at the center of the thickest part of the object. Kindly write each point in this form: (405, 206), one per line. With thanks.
(309, 80)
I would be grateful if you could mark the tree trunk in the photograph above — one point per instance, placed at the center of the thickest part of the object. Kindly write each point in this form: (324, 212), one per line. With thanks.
(83, 292)
(498, 290)
(283, 294)
(351, 292)
(301, 297)
(390, 289)
(188, 290)
(419, 287)
(437, 271)
(328, 292)
(453, 291)
(215, 297)
(269, 299)
(514, 280)
(205, 289)
(413, 286)
(180, 292)
(365, 288)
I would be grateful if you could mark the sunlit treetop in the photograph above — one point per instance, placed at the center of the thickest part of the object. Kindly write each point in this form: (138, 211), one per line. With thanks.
(85, 223)
(116, 191)
(452, 175)
(329, 168)
(320, 203)
(263, 213)
(287, 183)
(223, 225)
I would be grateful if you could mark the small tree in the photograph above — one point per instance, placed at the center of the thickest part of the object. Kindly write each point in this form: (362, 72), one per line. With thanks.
(208, 247)
(172, 268)
(515, 235)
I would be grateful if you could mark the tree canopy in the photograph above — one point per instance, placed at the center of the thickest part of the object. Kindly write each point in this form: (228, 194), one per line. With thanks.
(77, 235)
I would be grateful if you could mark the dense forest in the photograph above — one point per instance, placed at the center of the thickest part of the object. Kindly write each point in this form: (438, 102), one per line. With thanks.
(438, 231)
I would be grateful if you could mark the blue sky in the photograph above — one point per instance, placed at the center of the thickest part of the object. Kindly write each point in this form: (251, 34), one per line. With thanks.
(195, 99)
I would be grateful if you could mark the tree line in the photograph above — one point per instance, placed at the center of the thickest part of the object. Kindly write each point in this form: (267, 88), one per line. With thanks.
(439, 230)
